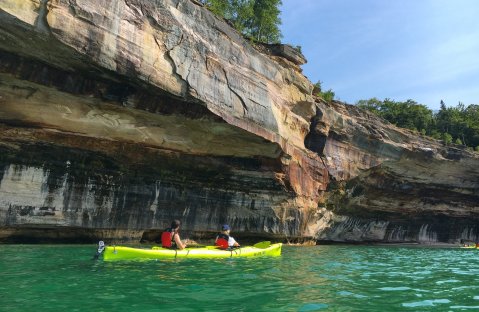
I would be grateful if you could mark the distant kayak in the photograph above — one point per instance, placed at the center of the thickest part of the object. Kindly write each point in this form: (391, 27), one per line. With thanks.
(113, 253)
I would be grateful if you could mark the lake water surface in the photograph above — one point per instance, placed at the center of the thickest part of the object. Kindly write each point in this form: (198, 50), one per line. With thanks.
(319, 278)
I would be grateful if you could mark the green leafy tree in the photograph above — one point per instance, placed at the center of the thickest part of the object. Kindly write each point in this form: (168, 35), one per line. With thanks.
(327, 96)
(219, 7)
(373, 105)
(266, 21)
(471, 118)
(256, 19)
(240, 13)
(436, 134)
(409, 114)
(459, 124)
(447, 138)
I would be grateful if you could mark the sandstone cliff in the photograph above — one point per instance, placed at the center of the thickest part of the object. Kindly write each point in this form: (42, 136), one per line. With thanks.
(117, 116)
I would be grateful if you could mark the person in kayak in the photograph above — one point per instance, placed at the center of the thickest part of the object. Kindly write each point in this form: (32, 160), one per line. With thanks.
(224, 240)
(170, 238)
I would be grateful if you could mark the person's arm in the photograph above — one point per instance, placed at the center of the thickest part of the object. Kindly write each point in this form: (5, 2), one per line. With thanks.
(232, 242)
(178, 242)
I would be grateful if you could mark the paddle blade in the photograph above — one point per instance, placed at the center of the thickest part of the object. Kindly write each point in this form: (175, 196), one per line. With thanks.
(262, 245)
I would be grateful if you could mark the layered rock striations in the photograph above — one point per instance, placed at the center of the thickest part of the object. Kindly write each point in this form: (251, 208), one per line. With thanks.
(118, 116)
(391, 185)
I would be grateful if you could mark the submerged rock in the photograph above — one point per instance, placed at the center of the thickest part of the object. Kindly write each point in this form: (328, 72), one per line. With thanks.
(117, 117)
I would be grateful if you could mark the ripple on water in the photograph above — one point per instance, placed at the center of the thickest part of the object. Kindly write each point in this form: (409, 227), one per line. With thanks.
(423, 272)
(465, 288)
(351, 294)
(111, 296)
(250, 276)
(313, 307)
(401, 288)
(425, 303)
(447, 281)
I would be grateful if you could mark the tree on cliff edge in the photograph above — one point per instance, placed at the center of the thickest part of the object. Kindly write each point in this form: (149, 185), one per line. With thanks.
(459, 124)
(266, 21)
(256, 19)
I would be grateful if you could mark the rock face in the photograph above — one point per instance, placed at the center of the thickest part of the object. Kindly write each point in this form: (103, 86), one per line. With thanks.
(390, 185)
(118, 116)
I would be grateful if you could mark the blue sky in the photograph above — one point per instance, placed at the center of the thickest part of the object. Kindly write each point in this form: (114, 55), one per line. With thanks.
(425, 50)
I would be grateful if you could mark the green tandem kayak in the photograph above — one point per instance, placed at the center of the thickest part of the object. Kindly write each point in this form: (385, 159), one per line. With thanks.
(113, 253)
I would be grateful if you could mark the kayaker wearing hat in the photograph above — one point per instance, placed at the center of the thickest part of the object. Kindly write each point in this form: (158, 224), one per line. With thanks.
(224, 240)
(170, 238)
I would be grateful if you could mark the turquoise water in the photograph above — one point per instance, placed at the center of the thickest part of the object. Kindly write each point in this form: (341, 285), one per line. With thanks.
(320, 278)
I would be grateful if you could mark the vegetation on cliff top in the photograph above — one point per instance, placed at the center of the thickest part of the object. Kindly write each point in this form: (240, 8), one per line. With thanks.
(327, 96)
(459, 124)
(256, 19)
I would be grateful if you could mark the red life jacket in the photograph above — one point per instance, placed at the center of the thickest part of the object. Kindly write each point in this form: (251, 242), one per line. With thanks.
(167, 238)
(222, 241)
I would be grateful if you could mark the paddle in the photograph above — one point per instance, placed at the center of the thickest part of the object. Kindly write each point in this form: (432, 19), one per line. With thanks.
(187, 246)
(196, 246)
(262, 245)
(101, 248)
